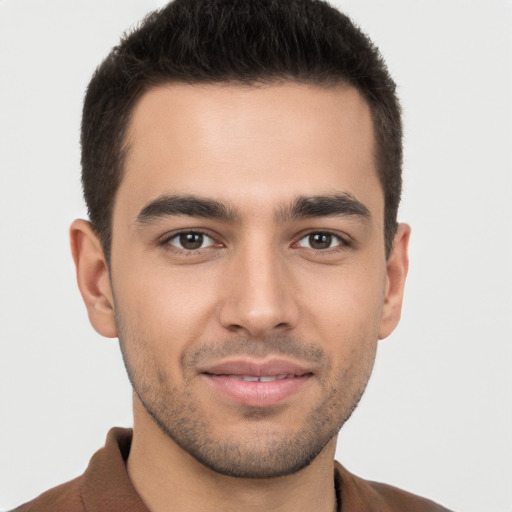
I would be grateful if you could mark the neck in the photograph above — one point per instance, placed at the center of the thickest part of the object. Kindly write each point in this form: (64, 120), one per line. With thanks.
(162, 474)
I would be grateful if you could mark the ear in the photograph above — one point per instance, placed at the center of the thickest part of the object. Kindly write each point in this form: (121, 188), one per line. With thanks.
(93, 277)
(397, 266)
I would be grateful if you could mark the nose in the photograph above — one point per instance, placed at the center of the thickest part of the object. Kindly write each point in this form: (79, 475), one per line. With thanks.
(259, 297)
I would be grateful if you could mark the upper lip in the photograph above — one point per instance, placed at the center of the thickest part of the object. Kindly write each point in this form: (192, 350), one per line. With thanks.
(256, 368)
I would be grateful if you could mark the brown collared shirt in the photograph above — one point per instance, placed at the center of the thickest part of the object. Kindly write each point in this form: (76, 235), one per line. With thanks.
(106, 487)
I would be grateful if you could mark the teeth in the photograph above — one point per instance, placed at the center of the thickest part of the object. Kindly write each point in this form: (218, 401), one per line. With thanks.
(252, 378)
(273, 377)
(268, 378)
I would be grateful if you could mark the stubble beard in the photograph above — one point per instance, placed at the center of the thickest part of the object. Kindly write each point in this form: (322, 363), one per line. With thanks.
(257, 454)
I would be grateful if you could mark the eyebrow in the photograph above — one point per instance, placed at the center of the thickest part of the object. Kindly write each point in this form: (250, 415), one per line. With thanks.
(305, 207)
(165, 206)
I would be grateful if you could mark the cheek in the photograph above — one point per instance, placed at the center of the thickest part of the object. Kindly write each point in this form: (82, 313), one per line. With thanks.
(345, 307)
(167, 309)
(349, 299)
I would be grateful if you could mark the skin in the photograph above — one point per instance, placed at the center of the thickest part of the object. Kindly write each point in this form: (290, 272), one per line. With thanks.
(260, 288)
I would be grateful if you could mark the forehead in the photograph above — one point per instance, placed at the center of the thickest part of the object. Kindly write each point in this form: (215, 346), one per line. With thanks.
(249, 145)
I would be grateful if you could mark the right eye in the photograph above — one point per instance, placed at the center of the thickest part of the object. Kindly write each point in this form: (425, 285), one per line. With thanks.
(190, 241)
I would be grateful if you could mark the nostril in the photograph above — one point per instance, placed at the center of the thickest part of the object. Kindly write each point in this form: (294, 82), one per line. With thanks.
(235, 328)
(258, 310)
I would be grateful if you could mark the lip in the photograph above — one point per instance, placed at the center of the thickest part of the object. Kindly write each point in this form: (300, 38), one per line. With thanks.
(259, 368)
(226, 378)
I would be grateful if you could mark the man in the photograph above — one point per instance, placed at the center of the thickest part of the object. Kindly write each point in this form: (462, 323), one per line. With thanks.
(241, 167)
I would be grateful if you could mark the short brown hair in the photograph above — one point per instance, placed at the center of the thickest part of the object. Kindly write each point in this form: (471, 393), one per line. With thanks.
(240, 42)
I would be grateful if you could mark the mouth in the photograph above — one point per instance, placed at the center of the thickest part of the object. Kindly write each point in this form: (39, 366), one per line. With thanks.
(266, 378)
(257, 384)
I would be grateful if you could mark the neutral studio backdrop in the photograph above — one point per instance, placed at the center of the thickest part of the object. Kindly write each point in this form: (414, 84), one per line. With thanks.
(437, 415)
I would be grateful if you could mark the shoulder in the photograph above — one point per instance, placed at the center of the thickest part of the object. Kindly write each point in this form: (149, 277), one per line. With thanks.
(105, 485)
(367, 496)
(63, 497)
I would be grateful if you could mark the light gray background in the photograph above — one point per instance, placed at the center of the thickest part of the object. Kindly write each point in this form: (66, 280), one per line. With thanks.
(437, 416)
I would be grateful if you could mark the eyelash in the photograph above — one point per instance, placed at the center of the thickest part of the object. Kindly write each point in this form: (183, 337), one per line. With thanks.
(170, 247)
(343, 243)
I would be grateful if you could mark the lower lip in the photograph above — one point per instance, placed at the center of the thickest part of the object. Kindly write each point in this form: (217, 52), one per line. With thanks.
(258, 394)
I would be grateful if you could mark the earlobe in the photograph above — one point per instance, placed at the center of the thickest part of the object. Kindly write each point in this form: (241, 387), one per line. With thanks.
(93, 277)
(397, 267)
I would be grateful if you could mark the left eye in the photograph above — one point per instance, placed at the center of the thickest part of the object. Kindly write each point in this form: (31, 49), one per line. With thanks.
(320, 241)
(191, 241)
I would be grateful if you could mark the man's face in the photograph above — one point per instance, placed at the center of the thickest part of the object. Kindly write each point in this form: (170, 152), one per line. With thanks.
(248, 270)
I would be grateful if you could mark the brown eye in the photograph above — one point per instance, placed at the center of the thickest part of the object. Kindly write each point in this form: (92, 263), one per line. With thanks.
(191, 241)
(320, 241)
